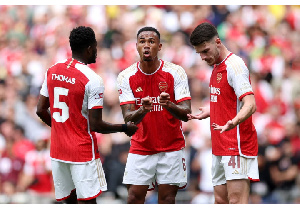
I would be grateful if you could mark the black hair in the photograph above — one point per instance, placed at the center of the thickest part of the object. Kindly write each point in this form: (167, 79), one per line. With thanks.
(203, 33)
(147, 28)
(81, 38)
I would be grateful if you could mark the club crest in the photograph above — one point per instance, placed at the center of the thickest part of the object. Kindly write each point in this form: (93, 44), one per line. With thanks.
(163, 86)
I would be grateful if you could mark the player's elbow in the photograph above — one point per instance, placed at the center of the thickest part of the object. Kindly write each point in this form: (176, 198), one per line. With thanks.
(254, 107)
(94, 128)
(39, 112)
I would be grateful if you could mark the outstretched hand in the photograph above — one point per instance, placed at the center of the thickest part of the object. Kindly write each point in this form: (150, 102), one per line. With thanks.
(228, 126)
(205, 113)
(131, 128)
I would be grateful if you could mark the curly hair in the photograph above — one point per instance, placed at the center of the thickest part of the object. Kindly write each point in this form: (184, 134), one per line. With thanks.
(81, 37)
(203, 33)
(147, 28)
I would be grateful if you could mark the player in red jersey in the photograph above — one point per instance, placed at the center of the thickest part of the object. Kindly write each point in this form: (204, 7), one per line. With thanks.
(234, 138)
(74, 94)
(155, 95)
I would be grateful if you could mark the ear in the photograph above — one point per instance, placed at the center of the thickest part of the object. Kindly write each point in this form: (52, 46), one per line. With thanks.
(159, 46)
(218, 41)
(89, 49)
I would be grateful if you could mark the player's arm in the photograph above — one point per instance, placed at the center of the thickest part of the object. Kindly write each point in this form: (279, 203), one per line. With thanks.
(180, 110)
(43, 110)
(100, 126)
(249, 107)
(131, 114)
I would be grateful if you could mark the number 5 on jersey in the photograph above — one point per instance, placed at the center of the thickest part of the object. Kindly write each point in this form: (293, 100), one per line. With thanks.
(58, 91)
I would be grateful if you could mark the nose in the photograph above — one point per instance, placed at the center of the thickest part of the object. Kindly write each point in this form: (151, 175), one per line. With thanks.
(147, 44)
(202, 56)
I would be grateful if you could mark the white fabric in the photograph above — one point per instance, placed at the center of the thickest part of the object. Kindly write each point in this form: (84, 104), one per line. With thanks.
(88, 179)
(160, 168)
(233, 167)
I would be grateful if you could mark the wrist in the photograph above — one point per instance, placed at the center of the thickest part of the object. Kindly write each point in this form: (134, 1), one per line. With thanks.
(234, 122)
(124, 128)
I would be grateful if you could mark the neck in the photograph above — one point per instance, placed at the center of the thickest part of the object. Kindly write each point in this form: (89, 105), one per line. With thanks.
(223, 53)
(149, 67)
(79, 58)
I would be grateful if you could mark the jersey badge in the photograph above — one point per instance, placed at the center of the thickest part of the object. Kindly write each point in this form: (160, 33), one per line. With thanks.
(163, 86)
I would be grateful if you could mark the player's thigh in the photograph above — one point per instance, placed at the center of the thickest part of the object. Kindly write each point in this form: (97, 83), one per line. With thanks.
(140, 169)
(62, 179)
(89, 179)
(171, 169)
(238, 172)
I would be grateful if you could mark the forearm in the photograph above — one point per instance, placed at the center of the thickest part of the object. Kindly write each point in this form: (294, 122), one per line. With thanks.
(106, 127)
(135, 116)
(246, 111)
(45, 116)
(179, 111)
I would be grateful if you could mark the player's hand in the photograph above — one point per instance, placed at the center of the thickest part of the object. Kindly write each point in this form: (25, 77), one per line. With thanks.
(131, 128)
(204, 113)
(228, 126)
(147, 104)
(164, 98)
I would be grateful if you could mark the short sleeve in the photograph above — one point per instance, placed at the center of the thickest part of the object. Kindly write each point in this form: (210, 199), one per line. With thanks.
(44, 89)
(125, 92)
(238, 77)
(181, 87)
(95, 93)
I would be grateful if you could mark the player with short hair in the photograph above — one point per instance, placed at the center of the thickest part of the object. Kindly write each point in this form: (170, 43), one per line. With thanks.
(232, 103)
(74, 94)
(155, 95)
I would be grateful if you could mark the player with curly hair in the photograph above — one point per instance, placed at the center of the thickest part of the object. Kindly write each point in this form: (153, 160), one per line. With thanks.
(74, 94)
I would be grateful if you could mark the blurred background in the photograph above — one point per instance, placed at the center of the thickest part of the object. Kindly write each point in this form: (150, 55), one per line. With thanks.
(33, 38)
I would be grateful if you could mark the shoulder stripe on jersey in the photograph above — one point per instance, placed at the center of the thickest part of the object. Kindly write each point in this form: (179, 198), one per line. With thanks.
(235, 66)
(184, 99)
(127, 102)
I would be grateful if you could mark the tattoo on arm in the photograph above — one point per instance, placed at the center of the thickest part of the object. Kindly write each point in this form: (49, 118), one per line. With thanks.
(130, 114)
(180, 110)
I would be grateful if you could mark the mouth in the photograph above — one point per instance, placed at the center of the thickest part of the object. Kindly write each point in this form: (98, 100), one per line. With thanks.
(147, 53)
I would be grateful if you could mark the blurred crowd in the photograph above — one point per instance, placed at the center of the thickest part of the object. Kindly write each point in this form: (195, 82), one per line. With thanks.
(33, 38)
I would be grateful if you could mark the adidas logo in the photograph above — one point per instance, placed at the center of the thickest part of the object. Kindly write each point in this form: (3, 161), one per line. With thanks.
(235, 172)
(139, 89)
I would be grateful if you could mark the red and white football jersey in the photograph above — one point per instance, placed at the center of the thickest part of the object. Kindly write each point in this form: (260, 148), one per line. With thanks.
(159, 131)
(73, 88)
(229, 83)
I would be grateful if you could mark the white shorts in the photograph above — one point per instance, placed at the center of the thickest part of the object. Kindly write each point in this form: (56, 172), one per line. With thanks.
(233, 167)
(88, 179)
(160, 168)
